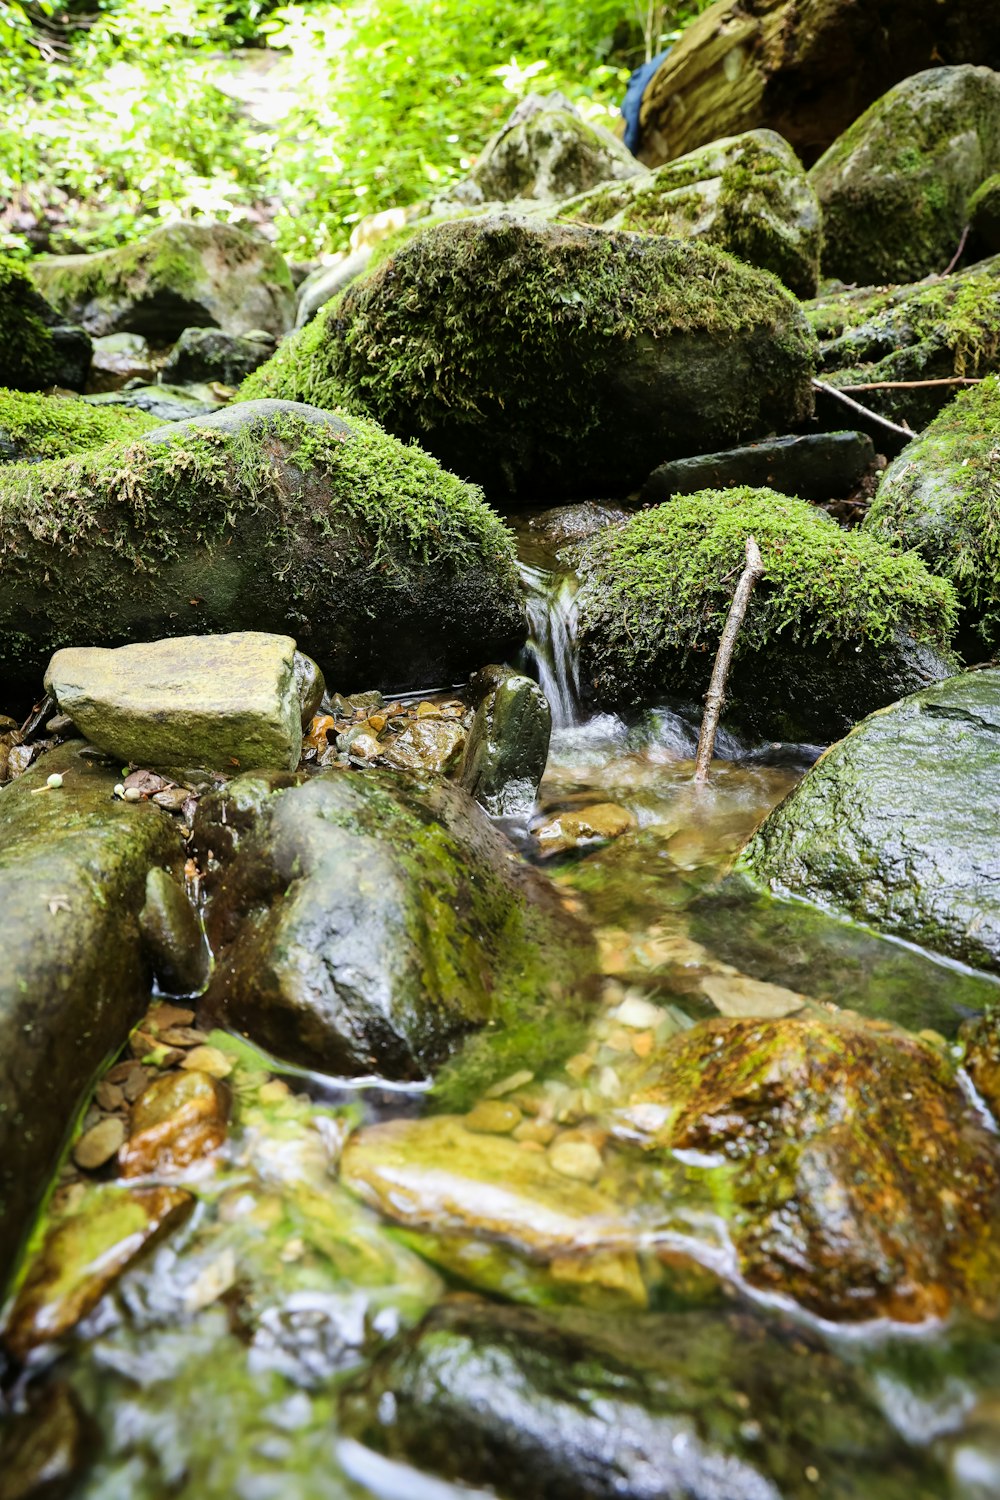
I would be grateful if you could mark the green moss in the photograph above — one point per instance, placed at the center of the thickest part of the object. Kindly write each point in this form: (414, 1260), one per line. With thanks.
(494, 341)
(297, 371)
(942, 496)
(664, 581)
(53, 427)
(27, 354)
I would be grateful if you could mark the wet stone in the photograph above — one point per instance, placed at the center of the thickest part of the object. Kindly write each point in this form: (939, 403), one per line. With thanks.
(173, 938)
(179, 1119)
(99, 1144)
(44, 1451)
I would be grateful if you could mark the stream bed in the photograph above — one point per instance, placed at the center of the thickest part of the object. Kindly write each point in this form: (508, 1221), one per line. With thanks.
(362, 1294)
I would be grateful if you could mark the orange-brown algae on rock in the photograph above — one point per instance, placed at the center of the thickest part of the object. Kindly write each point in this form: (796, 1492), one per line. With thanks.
(864, 1183)
(83, 1254)
(178, 1120)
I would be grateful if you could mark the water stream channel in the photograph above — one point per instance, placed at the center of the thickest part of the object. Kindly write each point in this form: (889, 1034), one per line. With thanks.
(215, 1365)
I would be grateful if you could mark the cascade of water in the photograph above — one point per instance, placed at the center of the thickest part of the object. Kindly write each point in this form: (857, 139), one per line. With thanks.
(552, 643)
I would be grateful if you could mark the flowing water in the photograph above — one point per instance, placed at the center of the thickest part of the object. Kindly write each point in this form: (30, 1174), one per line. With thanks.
(214, 1367)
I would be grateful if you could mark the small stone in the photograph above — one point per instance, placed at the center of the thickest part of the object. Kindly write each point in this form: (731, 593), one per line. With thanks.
(427, 710)
(172, 798)
(274, 1091)
(160, 1017)
(135, 1082)
(493, 1117)
(577, 1159)
(364, 748)
(99, 1144)
(109, 1095)
(642, 1043)
(209, 1060)
(541, 1131)
(638, 1013)
(131, 794)
(579, 1066)
(178, 1120)
(183, 1036)
(507, 1085)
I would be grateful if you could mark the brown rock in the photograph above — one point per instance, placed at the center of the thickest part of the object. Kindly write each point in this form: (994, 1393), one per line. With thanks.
(100, 1143)
(179, 1119)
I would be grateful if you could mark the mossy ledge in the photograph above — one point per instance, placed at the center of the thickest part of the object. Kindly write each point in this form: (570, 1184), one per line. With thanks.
(35, 426)
(531, 355)
(285, 519)
(838, 621)
(942, 497)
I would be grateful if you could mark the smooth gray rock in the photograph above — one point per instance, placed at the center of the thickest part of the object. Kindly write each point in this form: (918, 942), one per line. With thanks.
(897, 825)
(508, 742)
(216, 701)
(820, 466)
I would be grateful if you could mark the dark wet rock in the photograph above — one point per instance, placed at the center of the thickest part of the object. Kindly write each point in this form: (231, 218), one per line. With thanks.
(822, 466)
(178, 1120)
(310, 685)
(35, 426)
(364, 923)
(216, 701)
(167, 403)
(747, 194)
(864, 1183)
(896, 825)
(545, 150)
(38, 348)
(806, 73)
(181, 276)
(172, 936)
(385, 568)
(567, 359)
(83, 1254)
(120, 357)
(570, 1406)
(836, 628)
(431, 745)
(205, 354)
(935, 330)
(545, 536)
(73, 867)
(982, 213)
(508, 743)
(45, 1450)
(894, 186)
(941, 497)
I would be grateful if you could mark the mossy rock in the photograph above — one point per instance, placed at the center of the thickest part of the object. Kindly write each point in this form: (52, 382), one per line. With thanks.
(893, 187)
(181, 276)
(896, 825)
(546, 150)
(574, 1406)
(268, 517)
(935, 330)
(748, 194)
(941, 497)
(982, 213)
(363, 923)
(531, 355)
(36, 348)
(839, 624)
(75, 977)
(35, 426)
(853, 1173)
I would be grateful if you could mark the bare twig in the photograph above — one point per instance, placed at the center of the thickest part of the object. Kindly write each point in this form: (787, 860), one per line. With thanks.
(832, 390)
(958, 253)
(912, 385)
(716, 695)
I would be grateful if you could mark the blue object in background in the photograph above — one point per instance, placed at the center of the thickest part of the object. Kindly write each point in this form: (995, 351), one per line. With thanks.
(634, 90)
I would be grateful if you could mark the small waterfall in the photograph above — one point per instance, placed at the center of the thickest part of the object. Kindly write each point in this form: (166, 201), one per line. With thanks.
(552, 650)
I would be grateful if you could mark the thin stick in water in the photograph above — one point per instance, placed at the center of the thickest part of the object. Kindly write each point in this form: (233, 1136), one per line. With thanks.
(716, 695)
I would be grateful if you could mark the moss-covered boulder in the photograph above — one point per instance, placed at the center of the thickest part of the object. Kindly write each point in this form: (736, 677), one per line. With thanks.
(982, 213)
(667, 1406)
(531, 355)
(181, 276)
(944, 329)
(894, 187)
(364, 923)
(896, 825)
(748, 194)
(74, 977)
(37, 348)
(941, 497)
(839, 624)
(269, 517)
(35, 426)
(545, 150)
(852, 1171)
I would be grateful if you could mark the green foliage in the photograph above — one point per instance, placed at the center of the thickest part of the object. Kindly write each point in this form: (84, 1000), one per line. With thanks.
(54, 426)
(664, 581)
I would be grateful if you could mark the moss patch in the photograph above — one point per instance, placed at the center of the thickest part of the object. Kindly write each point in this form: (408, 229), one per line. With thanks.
(36, 426)
(27, 354)
(515, 348)
(942, 497)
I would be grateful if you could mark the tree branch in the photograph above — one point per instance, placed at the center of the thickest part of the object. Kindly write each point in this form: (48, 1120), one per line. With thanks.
(716, 695)
(831, 390)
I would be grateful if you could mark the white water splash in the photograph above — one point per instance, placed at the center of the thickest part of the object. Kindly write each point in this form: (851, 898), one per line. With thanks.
(552, 647)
